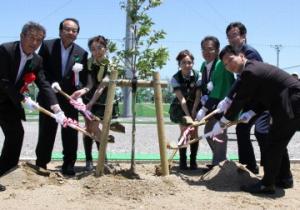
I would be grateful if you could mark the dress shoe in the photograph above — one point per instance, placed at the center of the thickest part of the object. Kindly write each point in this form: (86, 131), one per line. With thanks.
(2, 188)
(44, 166)
(193, 164)
(285, 183)
(208, 168)
(183, 165)
(89, 165)
(254, 170)
(258, 188)
(68, 170)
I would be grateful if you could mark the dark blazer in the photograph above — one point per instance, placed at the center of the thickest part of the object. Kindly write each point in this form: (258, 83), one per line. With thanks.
(10, 96)
(51, 53)
(273, 88)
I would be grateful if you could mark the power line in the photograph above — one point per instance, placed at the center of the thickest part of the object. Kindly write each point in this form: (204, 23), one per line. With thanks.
(56, 10)
(291, 67)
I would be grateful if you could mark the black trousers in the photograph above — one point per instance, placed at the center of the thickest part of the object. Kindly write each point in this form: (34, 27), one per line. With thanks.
(277, 162)
(245, 147)
(11, 150)
(88, 147)
(46, 138)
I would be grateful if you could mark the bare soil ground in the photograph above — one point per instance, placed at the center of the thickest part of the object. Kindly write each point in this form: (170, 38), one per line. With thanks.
(119, 189)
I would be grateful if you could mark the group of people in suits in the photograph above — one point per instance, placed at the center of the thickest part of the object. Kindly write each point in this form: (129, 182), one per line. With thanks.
(54, 63)
(261, 95)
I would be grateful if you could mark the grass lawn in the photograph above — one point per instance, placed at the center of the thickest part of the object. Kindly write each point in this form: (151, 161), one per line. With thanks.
(142, 110)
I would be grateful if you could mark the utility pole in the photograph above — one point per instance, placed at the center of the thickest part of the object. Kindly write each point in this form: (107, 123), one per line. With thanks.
(277, 47)
(128, 71)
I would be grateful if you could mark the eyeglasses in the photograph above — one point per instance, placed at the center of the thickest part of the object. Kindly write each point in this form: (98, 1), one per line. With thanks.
(233, 36)
(208, 50)
(186, 63)
(67, 29)
(34, 37)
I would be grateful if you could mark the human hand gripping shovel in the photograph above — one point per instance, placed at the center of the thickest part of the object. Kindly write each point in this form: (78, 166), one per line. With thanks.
(59, 117)
(184, 140)
(81, 107)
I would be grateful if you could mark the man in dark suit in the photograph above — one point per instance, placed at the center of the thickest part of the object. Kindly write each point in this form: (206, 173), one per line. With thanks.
(59, 57)
(236, 33)
(277, 91)
(18, 59)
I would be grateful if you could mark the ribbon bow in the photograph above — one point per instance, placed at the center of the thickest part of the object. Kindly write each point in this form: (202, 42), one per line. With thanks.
(28, 79)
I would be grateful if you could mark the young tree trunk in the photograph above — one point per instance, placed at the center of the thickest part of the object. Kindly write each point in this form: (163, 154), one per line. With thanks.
(132, 168)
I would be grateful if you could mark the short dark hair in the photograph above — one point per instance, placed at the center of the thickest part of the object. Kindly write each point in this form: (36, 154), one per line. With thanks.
(213, 39)
(33, 26)
(100, 39)
(239, 25)
(61, 24)
(228, 49)
(183, 54)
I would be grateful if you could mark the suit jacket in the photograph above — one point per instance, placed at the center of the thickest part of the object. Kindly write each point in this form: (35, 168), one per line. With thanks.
(51, 53)
(269, 86)
(10, 96)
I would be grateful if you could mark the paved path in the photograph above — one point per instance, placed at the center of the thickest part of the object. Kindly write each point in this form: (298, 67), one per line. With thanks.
(146, 140)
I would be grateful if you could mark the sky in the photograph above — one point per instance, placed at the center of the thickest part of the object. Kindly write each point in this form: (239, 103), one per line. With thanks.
(186, 22)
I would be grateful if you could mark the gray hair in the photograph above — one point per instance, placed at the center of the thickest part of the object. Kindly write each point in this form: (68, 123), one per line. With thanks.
(33, 26)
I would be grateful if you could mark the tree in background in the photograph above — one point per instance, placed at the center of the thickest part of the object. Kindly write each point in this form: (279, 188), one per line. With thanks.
(143, 55)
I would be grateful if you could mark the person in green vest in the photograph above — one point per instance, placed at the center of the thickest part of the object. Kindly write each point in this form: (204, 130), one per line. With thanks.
(186, 86)
(215, 85)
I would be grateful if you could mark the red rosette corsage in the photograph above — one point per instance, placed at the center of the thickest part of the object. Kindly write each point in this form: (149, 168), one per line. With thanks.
(28, 79)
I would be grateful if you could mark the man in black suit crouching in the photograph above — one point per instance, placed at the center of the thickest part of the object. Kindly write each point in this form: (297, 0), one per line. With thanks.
(277, 91)
(17, 60)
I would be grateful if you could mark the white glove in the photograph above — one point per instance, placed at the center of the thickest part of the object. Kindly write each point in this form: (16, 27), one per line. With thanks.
(210, 86)
(60, 117)
(218, 128)
(29, 104)
(79, 100)
(201, 113)
(204, 99)
(56, 87)
(247, 116)
(224, 105)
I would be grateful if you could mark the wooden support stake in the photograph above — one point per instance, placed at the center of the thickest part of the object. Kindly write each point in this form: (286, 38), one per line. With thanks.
(106, 123)
(160, 124)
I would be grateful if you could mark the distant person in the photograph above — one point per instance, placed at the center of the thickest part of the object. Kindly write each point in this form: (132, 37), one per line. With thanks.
(18, 59)
(278, 92)
(236, 33)
(59, 59)
(186, 86)
(95, 92)
(215, 85)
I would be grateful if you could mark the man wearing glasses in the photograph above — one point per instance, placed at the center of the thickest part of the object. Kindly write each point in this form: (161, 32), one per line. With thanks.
(236, 34)
(59, 57)
(18, 60)
(215, 85)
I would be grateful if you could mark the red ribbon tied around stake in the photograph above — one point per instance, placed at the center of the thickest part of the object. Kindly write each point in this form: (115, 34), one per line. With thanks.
(28, 79)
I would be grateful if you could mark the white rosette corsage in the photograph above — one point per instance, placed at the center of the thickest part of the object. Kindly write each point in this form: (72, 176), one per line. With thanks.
(77, 67)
